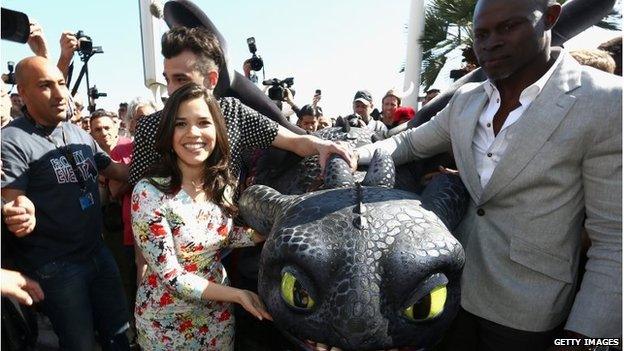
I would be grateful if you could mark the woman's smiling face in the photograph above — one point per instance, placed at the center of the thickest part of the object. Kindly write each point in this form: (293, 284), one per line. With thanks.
(194, 135)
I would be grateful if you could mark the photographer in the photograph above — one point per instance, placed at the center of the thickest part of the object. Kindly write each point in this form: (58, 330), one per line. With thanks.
(361, 117)
(288, 98)
(69, 45)
(39, 46)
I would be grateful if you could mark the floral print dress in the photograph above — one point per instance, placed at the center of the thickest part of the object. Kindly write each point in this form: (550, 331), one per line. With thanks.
(180, 240)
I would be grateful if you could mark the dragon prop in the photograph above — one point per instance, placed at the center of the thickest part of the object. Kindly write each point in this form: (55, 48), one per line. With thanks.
(360, 265)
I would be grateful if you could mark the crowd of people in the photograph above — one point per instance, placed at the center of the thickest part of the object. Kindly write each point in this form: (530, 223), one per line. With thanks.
(116, 222)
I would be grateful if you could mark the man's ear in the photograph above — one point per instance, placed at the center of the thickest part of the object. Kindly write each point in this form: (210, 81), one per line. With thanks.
(211, 79)
(552, 15)
(20, 91)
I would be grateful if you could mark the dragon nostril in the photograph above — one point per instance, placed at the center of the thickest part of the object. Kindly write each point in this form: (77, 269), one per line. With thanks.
(362, 333)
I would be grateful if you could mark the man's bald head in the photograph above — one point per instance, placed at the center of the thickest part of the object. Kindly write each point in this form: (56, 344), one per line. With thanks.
(42, 88)
(32, 66)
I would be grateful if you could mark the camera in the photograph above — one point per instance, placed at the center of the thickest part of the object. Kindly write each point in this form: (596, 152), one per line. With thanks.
(457, 73)
(10, 77)
(255, 61)
(86, 48)
(15, 26)
(94, 94)
(354, 120)
(277, 91)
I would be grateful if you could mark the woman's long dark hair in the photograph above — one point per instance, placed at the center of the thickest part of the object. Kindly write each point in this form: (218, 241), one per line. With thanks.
(216, 174)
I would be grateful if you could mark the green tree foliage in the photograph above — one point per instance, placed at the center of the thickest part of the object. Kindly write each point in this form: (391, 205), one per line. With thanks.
(448, 24)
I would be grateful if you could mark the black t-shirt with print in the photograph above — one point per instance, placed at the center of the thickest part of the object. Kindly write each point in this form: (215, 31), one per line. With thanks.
(31, 162)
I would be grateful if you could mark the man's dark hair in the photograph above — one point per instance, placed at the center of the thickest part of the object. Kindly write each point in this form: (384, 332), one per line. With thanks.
(430, 91)
(309, 110)
(123, 104)
(99, 113)
(14, 94)
(197, 40)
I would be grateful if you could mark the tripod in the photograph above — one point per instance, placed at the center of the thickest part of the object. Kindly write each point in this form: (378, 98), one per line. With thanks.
(92, 93)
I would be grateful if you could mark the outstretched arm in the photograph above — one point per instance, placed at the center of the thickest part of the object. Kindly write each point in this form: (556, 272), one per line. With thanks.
(308, 145)
(429, 139)
(37, 41)
(154, 238)
(69, 44)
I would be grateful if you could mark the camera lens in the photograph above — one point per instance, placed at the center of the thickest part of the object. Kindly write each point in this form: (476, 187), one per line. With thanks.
(86, 46)
(256, 63)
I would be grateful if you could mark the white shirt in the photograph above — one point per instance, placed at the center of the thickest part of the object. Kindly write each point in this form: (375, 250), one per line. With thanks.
(488, 149)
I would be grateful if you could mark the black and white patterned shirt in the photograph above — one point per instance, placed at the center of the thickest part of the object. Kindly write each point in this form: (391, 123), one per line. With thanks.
(246, 129)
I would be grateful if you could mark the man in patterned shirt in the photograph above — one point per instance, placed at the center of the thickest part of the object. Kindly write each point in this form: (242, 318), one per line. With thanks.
(194, 55)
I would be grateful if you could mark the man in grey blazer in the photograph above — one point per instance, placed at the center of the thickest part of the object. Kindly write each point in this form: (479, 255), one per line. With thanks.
(539, 148)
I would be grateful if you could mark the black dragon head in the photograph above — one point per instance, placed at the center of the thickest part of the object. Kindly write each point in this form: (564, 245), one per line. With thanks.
(360, 266)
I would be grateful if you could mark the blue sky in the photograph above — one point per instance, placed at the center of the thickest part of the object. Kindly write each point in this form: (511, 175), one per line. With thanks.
(336, 46)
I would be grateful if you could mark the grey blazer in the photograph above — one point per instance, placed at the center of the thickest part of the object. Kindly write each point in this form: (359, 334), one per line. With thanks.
(522, 232)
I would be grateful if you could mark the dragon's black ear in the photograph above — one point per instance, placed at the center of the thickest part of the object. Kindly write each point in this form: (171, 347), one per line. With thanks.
(380, 171)
(337, 173)
(260, 205)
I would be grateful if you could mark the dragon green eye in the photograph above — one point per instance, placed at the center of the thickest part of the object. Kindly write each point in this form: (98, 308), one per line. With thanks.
(429, 306)
(294, 294)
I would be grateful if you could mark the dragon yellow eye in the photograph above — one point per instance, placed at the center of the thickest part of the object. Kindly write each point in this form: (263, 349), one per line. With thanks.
(294, 294)
(429, 306)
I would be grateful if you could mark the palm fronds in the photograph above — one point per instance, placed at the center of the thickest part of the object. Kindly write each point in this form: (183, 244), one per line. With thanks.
(447, 26)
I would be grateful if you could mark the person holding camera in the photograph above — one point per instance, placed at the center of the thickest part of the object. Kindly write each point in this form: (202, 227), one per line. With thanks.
(288, 98)
(361, 117)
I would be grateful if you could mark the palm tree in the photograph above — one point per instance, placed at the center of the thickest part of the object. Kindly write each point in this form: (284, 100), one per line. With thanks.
(448, 25)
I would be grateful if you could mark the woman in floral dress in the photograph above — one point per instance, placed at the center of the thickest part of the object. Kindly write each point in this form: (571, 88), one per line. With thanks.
(181, 218)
